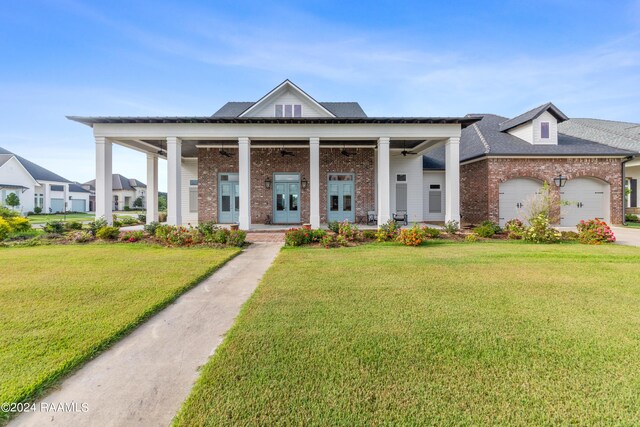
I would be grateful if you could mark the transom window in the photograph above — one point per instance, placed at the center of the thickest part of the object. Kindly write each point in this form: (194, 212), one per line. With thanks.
(288, 110)
(544, 130)
(401, 177)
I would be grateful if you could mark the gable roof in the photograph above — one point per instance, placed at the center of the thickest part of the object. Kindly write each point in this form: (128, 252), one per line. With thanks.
(484, 138)
(625, 135)
(75, 187)
(339, 109)
(37, 172)
(4, 158)
(118, 183)
(287, 84)
(532, 115)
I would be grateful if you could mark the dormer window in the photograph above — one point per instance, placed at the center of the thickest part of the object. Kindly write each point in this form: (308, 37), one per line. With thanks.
(288, 110)
(544, 130)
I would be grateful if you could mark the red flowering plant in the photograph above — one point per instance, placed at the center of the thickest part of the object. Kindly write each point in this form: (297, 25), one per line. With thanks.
(413, 236)
(595, 232)
(302, 236)
(131, 236)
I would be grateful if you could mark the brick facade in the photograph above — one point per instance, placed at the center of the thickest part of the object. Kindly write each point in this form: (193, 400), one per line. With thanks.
(480, 182)
(267, 161)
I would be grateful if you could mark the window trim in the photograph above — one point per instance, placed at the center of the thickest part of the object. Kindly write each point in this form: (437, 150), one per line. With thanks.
(283, 108)
(406, 178)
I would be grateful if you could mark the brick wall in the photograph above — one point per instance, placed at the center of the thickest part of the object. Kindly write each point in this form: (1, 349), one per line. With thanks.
(474, 199)
(266, 161)
(480, 182)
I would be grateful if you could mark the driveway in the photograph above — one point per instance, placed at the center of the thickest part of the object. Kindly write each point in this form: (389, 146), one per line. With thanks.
(145, 377)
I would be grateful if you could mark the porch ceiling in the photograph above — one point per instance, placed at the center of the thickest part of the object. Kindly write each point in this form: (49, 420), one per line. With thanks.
(190, 146)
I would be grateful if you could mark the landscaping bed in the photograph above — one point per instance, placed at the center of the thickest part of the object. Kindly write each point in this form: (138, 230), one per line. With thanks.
(491, 333)
(62, 304)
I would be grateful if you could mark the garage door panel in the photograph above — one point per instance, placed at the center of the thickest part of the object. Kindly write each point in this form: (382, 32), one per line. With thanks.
(514, 195)
(78, 205)
(584, 199)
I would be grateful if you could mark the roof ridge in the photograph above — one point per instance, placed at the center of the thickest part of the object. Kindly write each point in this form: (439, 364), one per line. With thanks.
(487, 148)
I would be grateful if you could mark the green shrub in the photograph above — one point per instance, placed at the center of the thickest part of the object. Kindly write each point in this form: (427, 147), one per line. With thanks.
(96, 225)
(514, 228)
(150, 228)
(127, 208)
(303, 236)
(486, 231)
(334, 226)
(37, 210)
(162, 217)
(18, 223)
(369, 234)
(631, 217)
(162, 231)
(108, 233)
(451, 227)
(208, 227)
(73, 225)
(496, 227)
(349, 231)
(328, 241)
(128, 220)
(132, 236)
(7, 213)
(569, 236)
(55, 227)
(471, 238)
(540, 231)
(432, 233)
(5, 228)
(24, 235)
(236, 238)
(80, 236)
(179, 235)
(218, 236)
(142, 218)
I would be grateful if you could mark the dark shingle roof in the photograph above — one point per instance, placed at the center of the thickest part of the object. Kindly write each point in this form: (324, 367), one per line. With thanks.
(339, 109)
(119, 182)
(533, 114)
(77, 188)
(37, 172)
(623, 135)
(484, 138)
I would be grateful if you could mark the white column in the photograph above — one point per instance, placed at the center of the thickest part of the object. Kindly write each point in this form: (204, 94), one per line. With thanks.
(47, 198)
(152, 187)
(244, 182)
(174, 176)
(314, 182)
(452, 180)
(104, 184)
(384, 207)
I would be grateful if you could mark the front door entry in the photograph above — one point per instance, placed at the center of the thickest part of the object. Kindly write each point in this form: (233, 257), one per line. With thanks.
(341, 201)
(286, 198)
(228, 198)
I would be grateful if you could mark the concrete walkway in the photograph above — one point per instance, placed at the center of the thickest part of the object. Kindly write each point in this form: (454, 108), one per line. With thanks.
(143, 379)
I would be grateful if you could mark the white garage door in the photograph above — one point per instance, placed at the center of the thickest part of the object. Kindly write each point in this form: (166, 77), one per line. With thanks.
(513, 196)
(57, 205)
(587, 198)
(78, 205)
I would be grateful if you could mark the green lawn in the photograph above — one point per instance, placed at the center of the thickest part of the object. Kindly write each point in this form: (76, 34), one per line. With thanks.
(500, 333)
(42, 219)
(633, 224)
(62, 304)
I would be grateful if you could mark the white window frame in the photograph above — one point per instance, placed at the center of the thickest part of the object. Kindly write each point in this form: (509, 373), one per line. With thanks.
(293, 109)
(193, 207)
(406, 178)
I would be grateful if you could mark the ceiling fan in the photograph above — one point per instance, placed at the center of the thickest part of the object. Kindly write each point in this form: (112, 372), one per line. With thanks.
(346, 153)
(225, 153)
(161, 151)
(406, 152)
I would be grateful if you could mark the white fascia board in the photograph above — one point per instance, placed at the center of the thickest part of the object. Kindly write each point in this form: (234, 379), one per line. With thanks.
(274, 92)
(255, 131)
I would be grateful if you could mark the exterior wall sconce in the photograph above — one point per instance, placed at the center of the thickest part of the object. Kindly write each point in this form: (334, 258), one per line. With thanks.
(304, 183)
(267, 183)
(560, 180)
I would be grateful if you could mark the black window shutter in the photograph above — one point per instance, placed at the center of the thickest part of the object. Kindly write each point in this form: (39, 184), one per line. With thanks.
(634, 193)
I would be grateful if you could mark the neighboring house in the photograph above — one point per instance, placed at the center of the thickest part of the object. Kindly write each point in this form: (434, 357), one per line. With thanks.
(38, 187)
(125, 192)
(622, 135)
(289, 159)
(505, 161)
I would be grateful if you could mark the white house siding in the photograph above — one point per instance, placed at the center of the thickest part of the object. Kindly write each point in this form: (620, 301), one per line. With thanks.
(412, 167)
(309, 109)
(553, 129)
(13, 173)
(189, 172)
(524, 132)
(434, 178)
(122, 197)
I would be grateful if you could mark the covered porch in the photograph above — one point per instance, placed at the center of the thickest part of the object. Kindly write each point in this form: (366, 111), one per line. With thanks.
(279, 165)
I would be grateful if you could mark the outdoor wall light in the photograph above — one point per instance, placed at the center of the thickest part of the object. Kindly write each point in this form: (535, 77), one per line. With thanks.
(560, 180)
(304, 183)
(267, 183)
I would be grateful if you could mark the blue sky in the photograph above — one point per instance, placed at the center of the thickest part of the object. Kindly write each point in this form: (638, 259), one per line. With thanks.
(74, 57)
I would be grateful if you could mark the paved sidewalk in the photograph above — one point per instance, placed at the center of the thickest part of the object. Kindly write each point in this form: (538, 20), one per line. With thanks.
(143, 379)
